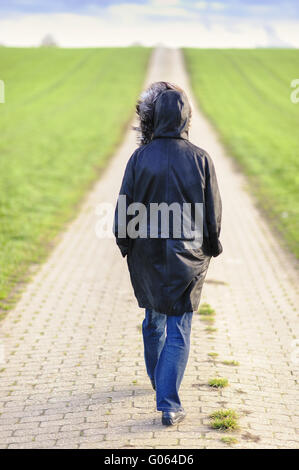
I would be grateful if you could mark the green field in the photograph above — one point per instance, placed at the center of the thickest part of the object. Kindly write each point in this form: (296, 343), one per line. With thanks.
(246, 95)
(65, 111)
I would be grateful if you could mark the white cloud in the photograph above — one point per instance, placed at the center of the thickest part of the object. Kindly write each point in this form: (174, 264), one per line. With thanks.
(288, 31)
(165, 2)
(218, 6)
(201, 5)
(212, 5)
(132, 12)
(122, 25)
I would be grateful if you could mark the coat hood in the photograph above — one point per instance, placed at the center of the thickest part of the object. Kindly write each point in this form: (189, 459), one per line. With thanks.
(172, 115)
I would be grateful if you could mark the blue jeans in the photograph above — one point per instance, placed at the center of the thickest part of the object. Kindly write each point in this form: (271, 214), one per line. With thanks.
(166, 350)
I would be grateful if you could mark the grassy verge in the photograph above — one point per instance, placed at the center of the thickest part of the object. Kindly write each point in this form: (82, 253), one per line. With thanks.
(246, 95)
(65, 111)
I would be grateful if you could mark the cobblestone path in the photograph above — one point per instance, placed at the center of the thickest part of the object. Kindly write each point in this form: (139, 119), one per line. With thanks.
(73, 373)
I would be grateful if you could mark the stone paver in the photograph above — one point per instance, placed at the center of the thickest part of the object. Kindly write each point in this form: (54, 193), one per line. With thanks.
(73, 373)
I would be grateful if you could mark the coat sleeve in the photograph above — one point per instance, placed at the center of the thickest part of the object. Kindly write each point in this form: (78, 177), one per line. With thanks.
(120, 215)
(213, 209)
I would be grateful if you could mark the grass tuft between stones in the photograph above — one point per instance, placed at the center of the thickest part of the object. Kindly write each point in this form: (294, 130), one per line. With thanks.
(230, 440)
(231, 363)
(206, 309)
(211, 329)
(224, 420)
(218, 382)
(213, 354)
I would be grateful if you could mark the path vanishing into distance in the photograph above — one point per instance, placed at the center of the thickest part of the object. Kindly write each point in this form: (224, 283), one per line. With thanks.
(73, 373)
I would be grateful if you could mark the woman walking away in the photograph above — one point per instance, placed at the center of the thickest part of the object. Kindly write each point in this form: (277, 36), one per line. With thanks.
(166, 175)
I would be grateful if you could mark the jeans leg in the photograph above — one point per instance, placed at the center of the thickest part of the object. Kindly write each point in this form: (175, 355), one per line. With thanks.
(172, 362)
(153, 330)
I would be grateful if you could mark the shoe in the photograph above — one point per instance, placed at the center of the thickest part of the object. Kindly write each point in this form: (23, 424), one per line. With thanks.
(153, 384)
(169, 418)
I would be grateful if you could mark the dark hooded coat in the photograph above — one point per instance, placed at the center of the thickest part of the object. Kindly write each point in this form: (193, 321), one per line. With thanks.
(167, 276)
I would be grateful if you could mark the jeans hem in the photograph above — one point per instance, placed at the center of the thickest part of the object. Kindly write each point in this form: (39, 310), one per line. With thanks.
(170, 410)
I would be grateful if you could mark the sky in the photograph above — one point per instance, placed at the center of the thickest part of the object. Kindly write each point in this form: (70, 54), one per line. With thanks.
(174, 23)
